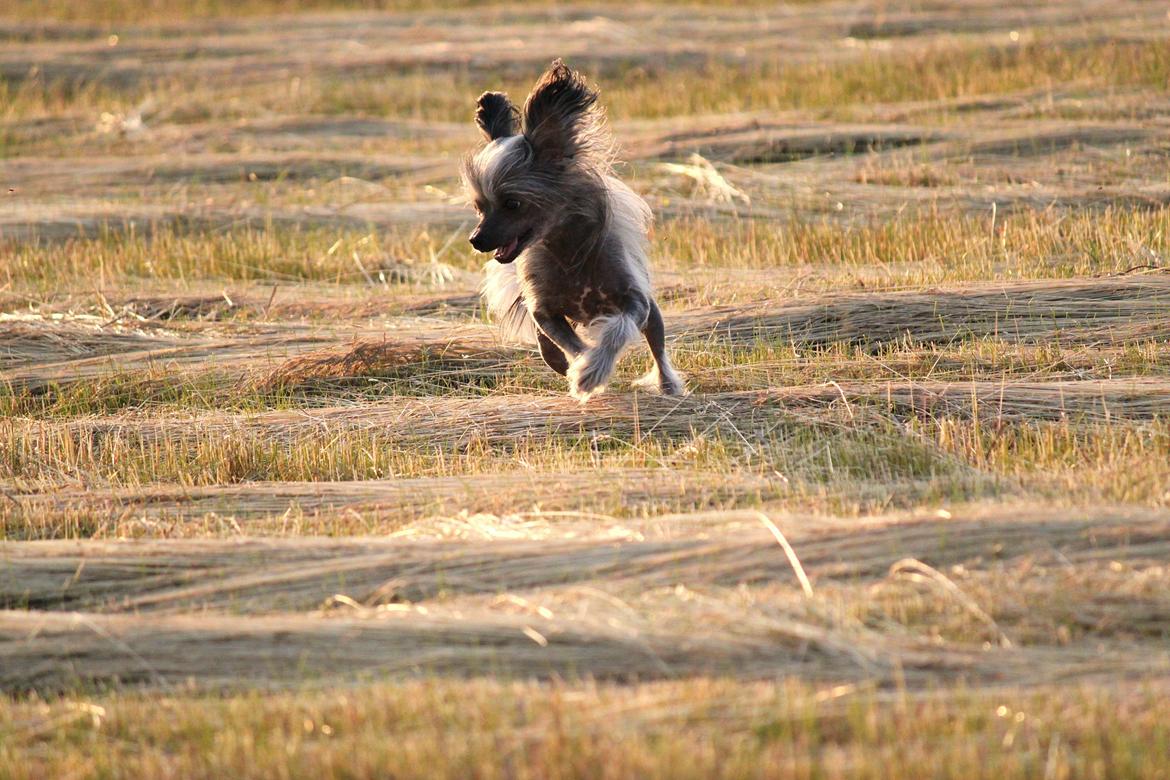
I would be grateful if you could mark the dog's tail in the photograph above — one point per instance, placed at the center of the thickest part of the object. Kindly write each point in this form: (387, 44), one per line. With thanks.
(500, 291)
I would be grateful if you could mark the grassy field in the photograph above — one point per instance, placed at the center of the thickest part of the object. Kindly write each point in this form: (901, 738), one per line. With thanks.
(276, 501)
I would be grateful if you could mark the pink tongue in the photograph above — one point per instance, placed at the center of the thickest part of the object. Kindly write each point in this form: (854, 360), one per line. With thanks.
(507, 248)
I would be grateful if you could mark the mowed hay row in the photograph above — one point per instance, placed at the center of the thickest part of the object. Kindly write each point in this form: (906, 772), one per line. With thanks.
(45, 652)
(436, 421)
(817, 440)
(746, 140)
(32, 340)
(631, 630)
(143, 312)
(1007, 400)
(452, 422)
(70, 349)
(242, 375)
(1114, 310)
(755, 139)
(235, 356)
(431, 364)
(723, 549)
(530, 502)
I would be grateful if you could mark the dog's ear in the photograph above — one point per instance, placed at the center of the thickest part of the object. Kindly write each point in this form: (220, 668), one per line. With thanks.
(496, 116)
(560, 118)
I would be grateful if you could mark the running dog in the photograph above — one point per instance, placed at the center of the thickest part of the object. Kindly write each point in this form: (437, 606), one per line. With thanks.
(570, 270)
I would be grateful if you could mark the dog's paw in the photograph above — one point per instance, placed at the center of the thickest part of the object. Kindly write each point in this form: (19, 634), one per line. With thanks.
(649, 382)
(655, 382)
(587, 376)
(672, 386)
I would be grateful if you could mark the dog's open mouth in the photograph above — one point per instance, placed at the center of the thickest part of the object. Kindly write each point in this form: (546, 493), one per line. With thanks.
(511, 250)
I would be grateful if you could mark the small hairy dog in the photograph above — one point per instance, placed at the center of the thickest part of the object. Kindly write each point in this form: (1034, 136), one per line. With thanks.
(569, 238)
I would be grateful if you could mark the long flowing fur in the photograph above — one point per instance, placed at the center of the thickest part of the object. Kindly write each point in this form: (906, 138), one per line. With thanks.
(502, 294)
(628, 222)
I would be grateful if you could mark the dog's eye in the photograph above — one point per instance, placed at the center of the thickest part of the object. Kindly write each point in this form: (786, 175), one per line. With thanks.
(511, 204)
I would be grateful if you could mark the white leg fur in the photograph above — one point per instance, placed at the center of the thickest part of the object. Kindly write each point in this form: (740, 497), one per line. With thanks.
(592, 368)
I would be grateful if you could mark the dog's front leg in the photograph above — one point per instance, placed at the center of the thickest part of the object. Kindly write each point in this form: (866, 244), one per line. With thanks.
(554, 358)
(556, 329)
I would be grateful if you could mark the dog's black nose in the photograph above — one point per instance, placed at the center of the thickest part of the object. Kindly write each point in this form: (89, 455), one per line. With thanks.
(477, 241)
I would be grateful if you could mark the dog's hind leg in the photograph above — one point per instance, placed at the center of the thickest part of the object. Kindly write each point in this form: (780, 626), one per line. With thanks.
(554, 358)
(662, 377)
(589, 371)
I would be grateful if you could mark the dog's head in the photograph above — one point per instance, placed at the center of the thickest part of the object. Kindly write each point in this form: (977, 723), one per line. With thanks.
(535, 162)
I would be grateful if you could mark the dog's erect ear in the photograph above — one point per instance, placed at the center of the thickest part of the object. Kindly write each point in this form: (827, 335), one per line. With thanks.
(496, 116)
(560, 120)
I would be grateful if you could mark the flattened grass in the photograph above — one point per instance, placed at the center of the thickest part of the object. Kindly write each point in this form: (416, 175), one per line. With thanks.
(167, 12)
(46, 453)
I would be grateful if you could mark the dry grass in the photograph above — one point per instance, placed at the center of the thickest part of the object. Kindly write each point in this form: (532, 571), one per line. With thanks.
(452, 364)
(495, 556)
(802, 257)
(590, 609)
(756, 79)
(454, 506)
(243, 254)
(1109, 312)
(275, 501)
(170, 11)
(694, 728)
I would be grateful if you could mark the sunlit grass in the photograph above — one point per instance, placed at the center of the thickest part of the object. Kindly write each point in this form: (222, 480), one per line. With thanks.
(47, 452)
(640, 90)
(269, 254)
(919, 249)
(912, 250)
(166, 12)
(710, 368)
(991, 499)
(782, 364)
(696, 728)
(1120, 461)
